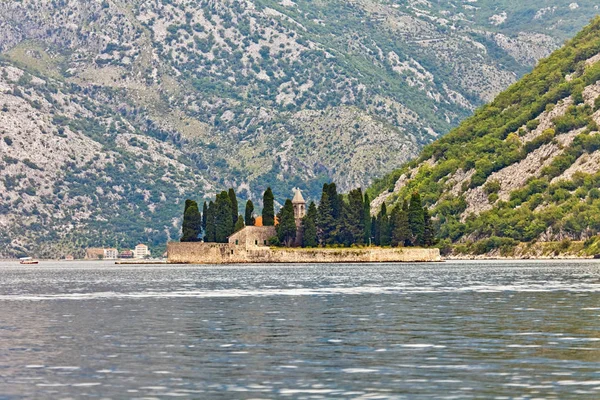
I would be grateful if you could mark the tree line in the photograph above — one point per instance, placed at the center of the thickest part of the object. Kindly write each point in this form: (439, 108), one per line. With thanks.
(338, 220)
(219, 218)
(346, 221)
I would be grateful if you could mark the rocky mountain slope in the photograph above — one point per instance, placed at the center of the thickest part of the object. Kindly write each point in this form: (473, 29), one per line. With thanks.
(524, 168)
(234, 93)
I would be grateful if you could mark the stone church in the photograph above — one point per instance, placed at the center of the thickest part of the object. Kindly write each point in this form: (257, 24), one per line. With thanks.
(258, 236)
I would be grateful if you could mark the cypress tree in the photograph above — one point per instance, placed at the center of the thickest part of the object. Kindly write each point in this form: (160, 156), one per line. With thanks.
(416, 219)
(286, 230)
(428, 233)
(204, 215)
(336, 200)
(375, 230)
(326, 222)
(234, 206)
(399, 226)
(223, 225)
(192, 222)
(367, 220)
(210, 232)
(249, 213)
(187, 205)
(309, 227)
(268, 212)
(353, 226)
(385, 237)
(185, 223)
(239, 224)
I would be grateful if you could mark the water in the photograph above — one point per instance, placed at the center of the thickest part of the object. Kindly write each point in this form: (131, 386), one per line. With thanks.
(452, 330)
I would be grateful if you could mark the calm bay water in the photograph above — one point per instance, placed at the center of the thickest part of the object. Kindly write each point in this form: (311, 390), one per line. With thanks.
(452, 330)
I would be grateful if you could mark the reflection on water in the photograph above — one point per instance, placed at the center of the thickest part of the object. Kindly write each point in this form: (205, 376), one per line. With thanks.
(454, 330)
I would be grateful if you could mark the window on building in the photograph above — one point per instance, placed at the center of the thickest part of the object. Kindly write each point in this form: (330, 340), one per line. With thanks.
(265, 242)
(237, 242)
(232, 252)
(256, 242)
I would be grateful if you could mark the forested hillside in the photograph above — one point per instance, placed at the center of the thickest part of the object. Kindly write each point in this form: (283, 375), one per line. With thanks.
(234, 93)
(524, 168)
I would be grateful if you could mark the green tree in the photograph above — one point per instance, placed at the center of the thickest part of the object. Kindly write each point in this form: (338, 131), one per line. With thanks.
(268, 212)
(353, 225)
(367, 220)
(336, 200)
(385, 237)
(239, 224)
(416, 219)
(234, 206)
(204, 215)
(399, 226)
(286, 230)
(192, 222)
(249, 213)
(428, 232)
(223, 225)
(326, 221)
(375, 230)
(210, 232)
(309, 227)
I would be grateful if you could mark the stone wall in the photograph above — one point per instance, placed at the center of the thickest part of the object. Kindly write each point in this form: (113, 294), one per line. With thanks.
(253, 236)
(213, 253)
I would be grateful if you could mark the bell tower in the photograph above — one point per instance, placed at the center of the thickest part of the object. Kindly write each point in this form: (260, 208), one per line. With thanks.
(299, 213)
(299, 206)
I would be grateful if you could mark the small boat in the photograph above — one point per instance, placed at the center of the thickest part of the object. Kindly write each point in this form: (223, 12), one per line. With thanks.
(27, 260)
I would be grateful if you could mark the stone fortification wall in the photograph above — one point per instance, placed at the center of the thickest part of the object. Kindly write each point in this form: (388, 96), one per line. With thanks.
(212, 253)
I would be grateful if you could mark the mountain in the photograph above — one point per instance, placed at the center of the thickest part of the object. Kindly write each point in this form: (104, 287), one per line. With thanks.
(117, 111)
(524, 168)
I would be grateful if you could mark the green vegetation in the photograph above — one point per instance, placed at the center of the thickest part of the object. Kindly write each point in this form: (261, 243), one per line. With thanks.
(249, 213)
(286, 229)
(268, 213)
(338, 221)
(192, 222)
(489, 141)
(309, 227)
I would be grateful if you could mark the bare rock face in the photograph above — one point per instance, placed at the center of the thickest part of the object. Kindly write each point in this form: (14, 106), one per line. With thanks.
(72, 171)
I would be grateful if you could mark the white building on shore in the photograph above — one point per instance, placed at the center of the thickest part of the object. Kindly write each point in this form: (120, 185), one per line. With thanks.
(141, 251)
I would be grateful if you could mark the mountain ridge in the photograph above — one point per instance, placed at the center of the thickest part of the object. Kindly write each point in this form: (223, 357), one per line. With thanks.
(524, 167)
(237, 93)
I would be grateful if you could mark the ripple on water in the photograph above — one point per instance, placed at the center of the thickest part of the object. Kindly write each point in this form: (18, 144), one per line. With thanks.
(478, 330)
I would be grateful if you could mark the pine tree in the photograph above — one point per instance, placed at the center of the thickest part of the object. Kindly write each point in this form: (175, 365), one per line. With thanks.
(249, 213)
(234, 206)
(268, 213)
(385, 237)
(416, 219)
(192, 222)
(210, 233)
(223, 225)
(399, 226)
(286, 230)
(204, 215)
(309, 227)
(239, 224)
(428, 233)
(367, 220)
